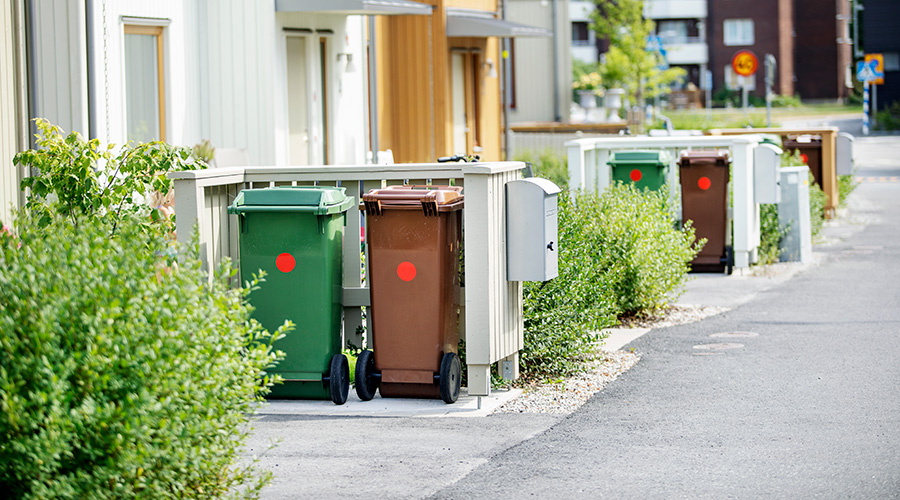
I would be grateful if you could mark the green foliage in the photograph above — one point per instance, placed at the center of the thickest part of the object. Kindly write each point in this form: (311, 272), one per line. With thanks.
(770, 234)
(817, 200)
(204, 151)
(817, 197)
(698, 120)
(628, 63)
(619, 254)
(888, 118)
(78, 178)
(547, 164)
(121, 374)
(846, 185)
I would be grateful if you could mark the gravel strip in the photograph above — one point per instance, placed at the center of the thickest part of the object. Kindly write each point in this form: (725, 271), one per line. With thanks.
(568, 395)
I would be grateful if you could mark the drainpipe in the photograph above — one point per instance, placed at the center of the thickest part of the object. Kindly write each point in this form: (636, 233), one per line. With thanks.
(373, 93)
(91, 84)
(31, 66)
(505, 89)
(556, 114)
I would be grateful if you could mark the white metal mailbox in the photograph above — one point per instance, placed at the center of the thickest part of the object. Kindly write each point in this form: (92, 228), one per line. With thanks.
(766, 174)
(532, 248)
(843, 153)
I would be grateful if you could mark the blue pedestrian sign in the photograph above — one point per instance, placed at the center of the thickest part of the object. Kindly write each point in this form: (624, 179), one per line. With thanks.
(868, 71)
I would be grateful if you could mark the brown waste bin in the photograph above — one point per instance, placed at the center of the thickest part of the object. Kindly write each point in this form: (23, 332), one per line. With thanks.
(414, 235)
(704, 200)
(810, 148)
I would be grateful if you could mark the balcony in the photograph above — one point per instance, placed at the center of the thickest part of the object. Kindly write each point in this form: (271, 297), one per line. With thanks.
(675, 9)
(685, 50)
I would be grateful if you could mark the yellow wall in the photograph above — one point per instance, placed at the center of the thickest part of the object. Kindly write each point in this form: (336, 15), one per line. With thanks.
(414, 85)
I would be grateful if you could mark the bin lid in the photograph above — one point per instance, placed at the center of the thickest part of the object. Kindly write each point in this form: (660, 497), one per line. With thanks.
(644, 157)
(318, 200)
(773, 139)
(431, 199)
(718, 157)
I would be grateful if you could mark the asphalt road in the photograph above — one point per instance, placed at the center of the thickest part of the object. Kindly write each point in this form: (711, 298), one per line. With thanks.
(809, 407)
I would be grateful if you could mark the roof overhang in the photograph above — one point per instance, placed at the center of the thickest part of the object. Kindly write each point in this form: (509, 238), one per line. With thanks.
(355, 7)
(473, 23)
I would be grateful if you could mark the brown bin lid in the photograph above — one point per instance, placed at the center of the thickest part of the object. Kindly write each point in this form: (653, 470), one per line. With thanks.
(431, 199)
(704, 157)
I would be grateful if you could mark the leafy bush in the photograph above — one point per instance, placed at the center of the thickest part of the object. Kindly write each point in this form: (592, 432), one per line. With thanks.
(121, 374)
(619, 254)
(770, 234)
(846, 185)
(75, 178)
(817, 197)
(547, 164)
(889, 118)
(648, 258)
(563, 316)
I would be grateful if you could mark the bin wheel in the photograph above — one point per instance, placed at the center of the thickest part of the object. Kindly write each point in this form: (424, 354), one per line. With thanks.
(366, 383)
(339, 379)
(450, 378)
(729, 260)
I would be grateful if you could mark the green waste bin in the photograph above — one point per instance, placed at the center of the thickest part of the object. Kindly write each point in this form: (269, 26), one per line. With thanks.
(295, 235)
(643, 168)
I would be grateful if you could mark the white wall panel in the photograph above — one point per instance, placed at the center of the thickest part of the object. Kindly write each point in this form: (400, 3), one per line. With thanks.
(60, 69)
(9, 189)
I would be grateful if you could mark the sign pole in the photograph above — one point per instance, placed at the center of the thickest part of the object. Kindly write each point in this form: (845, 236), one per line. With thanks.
(874, 112)
(866, 107)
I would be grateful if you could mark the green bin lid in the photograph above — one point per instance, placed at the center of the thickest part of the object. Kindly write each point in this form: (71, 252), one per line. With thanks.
(773, 139)
(319, 200)
(649, 157)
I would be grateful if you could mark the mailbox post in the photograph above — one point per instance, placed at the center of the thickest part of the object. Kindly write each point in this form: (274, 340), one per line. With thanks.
(532, 247)
(766, 174)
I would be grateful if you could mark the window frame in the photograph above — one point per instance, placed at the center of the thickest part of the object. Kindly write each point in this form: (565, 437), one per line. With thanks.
(745, 28)
(157, 31)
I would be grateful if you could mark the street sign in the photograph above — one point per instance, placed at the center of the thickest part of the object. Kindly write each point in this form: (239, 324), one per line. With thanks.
(744, 63)
(878, 59)
(865, 72)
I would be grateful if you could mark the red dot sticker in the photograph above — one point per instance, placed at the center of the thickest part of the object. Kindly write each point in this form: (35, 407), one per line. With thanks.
(406, 271)
(704, 183)
(636, 175)
(804, 158)
(285, 262)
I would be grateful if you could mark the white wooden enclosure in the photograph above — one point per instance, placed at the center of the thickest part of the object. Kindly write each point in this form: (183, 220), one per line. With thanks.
(589, 171)
(491, 317)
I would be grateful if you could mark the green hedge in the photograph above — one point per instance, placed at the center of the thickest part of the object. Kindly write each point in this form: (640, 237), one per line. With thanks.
(619, 254)
(121, 374)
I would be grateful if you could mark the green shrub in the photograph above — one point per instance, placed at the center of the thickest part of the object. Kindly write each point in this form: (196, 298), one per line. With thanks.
(648, 258)
(888, 118)
(846, 185)
(817, 197)
(76, 178)
(122, 375)
(770, 234)
(619, 254)
(547, 164)
(563, 316)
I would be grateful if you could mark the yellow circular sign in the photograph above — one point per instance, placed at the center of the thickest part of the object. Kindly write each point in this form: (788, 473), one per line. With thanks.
(744, 63)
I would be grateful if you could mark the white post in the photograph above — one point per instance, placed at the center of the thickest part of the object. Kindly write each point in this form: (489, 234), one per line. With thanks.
(576, 166)
(746, 211)
(189, 203)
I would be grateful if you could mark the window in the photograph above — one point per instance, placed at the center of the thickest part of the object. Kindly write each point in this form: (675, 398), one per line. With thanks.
(672, 31)
(739, 32)
(580, 33)
(145, 92)
(891, 61)
(734, 81)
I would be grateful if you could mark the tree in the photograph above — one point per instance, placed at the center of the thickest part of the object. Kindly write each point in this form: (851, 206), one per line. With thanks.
(629, 63)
